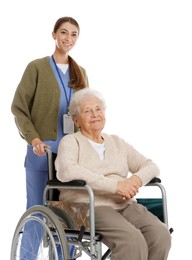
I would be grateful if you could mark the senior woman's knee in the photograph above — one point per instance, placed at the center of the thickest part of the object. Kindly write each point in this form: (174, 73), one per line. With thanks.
(160, 243)
(166, 237)
(162, 237)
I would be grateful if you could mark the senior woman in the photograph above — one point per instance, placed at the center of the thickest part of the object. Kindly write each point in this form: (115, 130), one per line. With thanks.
(115, 170)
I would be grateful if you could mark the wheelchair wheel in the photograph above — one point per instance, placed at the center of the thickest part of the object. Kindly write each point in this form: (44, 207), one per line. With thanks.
(67, 223)
(39, 235)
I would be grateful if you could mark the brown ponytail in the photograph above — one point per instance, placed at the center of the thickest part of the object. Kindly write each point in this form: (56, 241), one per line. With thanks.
(77, 79)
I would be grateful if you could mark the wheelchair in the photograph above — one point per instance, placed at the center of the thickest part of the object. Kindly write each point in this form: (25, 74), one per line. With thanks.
(60, 236)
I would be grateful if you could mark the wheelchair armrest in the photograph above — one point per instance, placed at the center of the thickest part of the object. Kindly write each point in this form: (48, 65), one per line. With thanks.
(82, 183)
(79, 183)
(154, 180)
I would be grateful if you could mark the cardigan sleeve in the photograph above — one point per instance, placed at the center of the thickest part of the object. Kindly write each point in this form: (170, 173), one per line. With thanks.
(22, 103)
(140, 165)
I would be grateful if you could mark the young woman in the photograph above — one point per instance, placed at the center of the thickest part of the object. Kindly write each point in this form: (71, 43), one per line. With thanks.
(40, 104)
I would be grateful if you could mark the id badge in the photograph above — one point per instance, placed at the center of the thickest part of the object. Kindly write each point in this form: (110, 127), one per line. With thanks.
(68, 124)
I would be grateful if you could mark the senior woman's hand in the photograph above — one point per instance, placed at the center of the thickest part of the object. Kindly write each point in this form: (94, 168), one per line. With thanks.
(129, 188)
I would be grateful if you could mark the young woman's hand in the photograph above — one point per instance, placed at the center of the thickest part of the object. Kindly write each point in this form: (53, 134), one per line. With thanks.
(39, 147)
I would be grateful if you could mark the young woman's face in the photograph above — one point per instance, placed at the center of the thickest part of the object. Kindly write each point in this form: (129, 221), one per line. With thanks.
(66, 37)
(91, 117)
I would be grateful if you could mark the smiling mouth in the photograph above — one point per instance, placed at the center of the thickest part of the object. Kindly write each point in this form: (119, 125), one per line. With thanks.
(96, 121)
(67, 44)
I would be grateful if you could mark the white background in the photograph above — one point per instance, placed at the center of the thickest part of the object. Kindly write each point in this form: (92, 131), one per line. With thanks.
(139, 55)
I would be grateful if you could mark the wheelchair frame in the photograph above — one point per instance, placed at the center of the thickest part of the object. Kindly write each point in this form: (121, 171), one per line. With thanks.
(59, 230)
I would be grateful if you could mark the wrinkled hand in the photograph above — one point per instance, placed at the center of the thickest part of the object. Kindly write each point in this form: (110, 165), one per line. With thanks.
(39, 147)
(129, 188)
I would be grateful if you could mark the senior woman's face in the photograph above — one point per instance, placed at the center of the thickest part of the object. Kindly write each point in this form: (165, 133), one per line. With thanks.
(91, 116)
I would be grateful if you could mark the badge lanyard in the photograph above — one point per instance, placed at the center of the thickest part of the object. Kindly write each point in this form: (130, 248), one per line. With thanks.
(68, 124)
(70, 93)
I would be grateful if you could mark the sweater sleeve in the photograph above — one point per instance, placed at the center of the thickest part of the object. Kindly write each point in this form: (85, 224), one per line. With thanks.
(68, 167)
(140, 165)
(22, 102)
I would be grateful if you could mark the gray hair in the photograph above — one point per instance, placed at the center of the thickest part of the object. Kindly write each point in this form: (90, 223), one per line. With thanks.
(83, 94)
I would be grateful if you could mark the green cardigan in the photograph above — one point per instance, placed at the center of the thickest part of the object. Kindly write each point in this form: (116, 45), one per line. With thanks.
(36, 102)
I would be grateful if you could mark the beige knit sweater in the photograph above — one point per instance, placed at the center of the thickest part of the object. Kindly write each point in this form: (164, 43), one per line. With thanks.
(77, 159)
